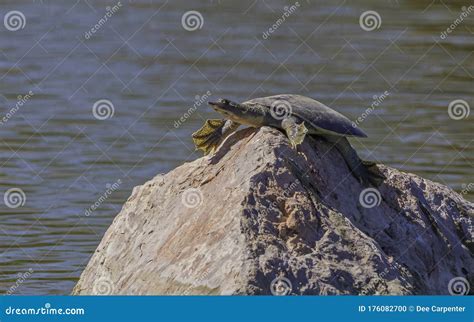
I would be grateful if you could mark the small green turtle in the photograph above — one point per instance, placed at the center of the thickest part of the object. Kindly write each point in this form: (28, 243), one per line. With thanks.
(298, 116)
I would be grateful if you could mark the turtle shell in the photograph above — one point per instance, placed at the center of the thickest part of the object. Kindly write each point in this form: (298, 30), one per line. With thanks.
(316, 114)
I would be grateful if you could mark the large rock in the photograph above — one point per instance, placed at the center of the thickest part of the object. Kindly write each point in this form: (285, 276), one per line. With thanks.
(259, 218)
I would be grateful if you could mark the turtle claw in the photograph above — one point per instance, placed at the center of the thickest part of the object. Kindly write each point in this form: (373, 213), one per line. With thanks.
(295, 132)
(212, 133)
(369, 163)
(208, 136)
(374, 176)
(367, 173)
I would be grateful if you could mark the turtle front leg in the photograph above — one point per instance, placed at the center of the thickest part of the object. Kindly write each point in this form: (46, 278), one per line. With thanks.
(295, 132)
(212, 133)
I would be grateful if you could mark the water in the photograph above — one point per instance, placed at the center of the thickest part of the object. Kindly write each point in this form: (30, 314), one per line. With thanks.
(151, 69)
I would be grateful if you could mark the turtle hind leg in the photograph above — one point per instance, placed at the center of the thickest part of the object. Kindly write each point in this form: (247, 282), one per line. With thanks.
(294, 131)
(212, 133)
(376, 178)
(365, 171)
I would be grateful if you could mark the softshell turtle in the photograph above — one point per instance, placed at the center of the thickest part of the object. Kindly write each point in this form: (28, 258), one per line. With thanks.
(295, 114)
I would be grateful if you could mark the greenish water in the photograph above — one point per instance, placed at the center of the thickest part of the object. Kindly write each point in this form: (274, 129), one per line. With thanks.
(142, 59)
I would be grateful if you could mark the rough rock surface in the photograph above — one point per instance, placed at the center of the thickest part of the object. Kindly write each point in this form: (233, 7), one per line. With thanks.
(259, 212)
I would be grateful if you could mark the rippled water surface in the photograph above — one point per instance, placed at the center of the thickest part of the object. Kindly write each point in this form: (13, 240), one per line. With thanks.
(151, 69)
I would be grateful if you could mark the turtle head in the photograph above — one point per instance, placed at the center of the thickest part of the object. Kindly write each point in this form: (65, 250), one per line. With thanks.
(240, 113)
(226, 107)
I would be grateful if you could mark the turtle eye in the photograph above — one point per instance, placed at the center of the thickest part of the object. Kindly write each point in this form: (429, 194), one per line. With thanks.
(223, 101)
